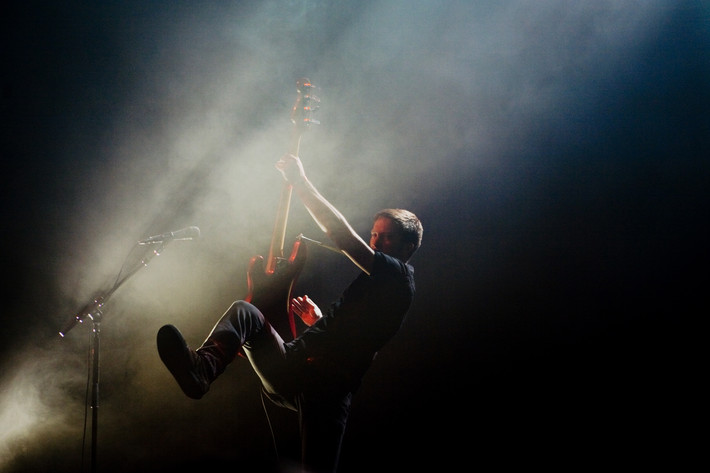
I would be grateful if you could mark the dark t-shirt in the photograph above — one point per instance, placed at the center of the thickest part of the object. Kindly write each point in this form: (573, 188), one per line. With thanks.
(343, 343)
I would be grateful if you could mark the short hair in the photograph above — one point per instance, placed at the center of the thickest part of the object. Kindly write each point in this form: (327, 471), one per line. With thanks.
(407, 222)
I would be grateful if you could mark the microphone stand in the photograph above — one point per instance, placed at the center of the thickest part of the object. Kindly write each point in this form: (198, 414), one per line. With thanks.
(93, 310)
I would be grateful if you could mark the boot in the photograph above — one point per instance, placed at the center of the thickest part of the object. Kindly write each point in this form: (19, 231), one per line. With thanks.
(191, 369)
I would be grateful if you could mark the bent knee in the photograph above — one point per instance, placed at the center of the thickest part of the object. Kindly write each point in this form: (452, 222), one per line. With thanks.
(244, 312)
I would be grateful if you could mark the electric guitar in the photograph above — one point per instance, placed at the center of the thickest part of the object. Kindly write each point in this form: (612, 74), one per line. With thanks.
(270, 282)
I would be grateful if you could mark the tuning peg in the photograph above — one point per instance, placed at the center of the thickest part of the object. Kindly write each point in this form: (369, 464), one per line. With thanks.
(311, 102)
(304, 84)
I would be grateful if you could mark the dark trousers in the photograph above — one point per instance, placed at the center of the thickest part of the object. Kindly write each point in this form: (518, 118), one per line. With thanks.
(287, 380)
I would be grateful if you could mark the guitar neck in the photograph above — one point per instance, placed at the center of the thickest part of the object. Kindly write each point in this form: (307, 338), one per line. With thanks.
(300, 116)
(278, 237)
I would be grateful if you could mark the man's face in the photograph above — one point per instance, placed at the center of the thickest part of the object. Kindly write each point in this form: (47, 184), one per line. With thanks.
(386, 237)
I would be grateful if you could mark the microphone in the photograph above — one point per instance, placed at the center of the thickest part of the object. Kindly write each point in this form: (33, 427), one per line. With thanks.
(188, 233)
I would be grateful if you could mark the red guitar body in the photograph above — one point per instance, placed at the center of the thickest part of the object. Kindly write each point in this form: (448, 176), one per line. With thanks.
(272, 292)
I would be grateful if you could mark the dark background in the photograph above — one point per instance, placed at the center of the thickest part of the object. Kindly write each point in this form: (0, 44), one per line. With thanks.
(555, 151)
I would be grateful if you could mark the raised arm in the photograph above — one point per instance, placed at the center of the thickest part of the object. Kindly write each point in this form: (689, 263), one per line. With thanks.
(331, 221)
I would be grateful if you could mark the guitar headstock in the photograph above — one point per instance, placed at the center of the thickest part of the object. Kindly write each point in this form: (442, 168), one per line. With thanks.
(306, 104)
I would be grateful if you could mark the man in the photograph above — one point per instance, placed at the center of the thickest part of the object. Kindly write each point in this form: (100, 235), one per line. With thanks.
(317, 373)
